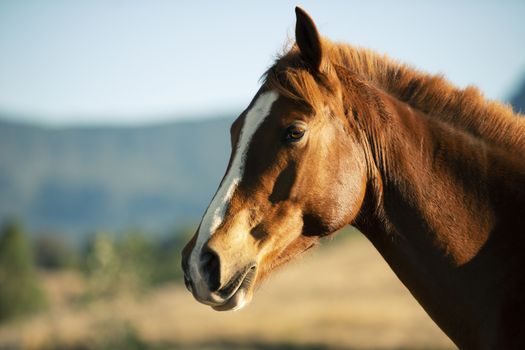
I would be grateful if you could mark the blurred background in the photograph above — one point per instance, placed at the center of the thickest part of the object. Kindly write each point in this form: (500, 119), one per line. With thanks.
(114, 119)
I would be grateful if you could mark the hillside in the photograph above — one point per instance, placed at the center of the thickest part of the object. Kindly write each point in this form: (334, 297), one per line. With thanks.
(76, 180)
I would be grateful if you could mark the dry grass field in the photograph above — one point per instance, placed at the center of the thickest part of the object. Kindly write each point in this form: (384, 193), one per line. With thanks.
(341, 296)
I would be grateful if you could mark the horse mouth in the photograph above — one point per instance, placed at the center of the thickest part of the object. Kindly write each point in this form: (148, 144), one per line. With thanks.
(236, 292)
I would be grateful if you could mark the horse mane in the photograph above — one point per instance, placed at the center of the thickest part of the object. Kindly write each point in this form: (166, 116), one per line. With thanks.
(465, 109)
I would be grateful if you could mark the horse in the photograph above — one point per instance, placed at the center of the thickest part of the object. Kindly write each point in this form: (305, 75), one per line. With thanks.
(433, 175)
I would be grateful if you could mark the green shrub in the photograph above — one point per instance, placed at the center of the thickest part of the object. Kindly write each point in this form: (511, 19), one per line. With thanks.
(53, 252)
(20, 293)
(102, 266)
(132, 263)
(114, 266)
(167, 266)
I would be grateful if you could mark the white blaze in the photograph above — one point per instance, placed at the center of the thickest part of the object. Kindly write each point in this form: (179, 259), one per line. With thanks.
(215, 214)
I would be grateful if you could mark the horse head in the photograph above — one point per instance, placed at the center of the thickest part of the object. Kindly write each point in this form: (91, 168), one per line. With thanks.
(296, 173)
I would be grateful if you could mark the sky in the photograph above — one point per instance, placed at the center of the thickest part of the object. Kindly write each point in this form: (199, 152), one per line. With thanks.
(132, 62)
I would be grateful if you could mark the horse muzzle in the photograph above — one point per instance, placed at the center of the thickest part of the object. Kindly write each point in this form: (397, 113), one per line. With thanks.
(204, 282)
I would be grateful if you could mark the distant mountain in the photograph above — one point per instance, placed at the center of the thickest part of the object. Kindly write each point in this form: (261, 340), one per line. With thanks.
(518, 99)
(76, 180)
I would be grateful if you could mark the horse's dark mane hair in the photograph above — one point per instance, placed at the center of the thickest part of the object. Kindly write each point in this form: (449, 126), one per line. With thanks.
(465, 109)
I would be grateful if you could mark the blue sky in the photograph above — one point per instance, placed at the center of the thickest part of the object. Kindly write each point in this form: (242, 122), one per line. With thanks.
(82, 62)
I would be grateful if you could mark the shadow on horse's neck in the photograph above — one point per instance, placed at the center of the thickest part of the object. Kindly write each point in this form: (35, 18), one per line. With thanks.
(430, 211)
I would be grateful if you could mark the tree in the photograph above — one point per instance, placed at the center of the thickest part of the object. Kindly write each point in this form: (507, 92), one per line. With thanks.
(20, 292)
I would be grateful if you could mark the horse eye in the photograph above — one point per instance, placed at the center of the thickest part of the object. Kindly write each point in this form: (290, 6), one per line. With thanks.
(295, 132)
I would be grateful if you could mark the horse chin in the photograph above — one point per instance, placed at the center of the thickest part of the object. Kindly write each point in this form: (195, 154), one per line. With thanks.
(239, 300)
(242, 296)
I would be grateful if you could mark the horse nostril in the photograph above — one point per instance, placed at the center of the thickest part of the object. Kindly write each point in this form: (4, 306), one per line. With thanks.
(211, 268)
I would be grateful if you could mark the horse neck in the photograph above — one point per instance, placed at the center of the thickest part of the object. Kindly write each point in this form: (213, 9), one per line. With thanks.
(429, 210)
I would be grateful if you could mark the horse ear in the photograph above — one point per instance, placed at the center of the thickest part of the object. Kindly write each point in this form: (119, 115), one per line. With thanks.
(308, 39)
